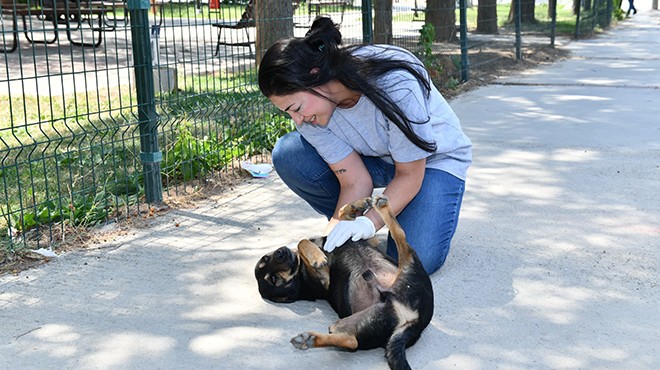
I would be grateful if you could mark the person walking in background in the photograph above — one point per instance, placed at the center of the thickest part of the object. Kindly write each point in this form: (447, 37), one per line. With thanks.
(367, 116)
(631, 7)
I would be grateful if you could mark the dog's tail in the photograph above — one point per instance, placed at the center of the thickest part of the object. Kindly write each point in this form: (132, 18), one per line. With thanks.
(395, 351)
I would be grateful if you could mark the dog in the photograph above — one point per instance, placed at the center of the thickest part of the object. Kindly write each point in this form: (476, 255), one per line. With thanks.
(380, 303)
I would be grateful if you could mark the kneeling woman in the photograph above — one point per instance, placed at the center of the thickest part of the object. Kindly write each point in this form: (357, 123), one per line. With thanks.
(367, 116)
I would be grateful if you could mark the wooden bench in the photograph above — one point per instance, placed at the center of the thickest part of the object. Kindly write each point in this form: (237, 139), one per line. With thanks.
(246, 21)
(71, 15)
(314, 7)
(156, 11)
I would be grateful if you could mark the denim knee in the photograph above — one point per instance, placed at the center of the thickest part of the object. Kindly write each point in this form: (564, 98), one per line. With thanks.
(283, 150)
(303, 170)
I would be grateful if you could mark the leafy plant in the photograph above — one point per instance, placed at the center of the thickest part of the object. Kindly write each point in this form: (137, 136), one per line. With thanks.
(426, 38)
(436, 66)
(190, 156)
(452, 83)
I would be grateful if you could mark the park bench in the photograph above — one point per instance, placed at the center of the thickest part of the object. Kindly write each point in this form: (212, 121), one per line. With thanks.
(156, 11)
(314, 7)
(69, 15)
(247, 21)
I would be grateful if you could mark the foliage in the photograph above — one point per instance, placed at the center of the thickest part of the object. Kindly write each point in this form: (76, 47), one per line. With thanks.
(190, 156)
(425, 54)
(426, 38)
(617, 12)
(436, 66)
(62, 167)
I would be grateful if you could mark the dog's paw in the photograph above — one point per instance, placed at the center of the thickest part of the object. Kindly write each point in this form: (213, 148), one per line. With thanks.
(303, 340)
(352, 210)
(380, 201)
(320, 261)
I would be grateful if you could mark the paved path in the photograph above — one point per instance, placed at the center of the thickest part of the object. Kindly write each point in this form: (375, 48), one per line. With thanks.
(554, 266)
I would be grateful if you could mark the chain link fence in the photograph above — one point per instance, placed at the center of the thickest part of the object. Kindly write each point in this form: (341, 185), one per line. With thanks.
(108, 106)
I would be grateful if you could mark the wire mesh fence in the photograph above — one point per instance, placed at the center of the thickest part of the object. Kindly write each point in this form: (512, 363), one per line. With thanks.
(105, 105)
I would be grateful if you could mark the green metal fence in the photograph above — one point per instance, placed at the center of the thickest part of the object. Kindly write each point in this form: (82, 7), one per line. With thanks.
(107, 107)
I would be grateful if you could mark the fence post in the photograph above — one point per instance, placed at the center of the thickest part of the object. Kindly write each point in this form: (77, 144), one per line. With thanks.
(518, 22)
(465, 63)
(150, 154)
(553, 24)
(577, 21)
(367, 21)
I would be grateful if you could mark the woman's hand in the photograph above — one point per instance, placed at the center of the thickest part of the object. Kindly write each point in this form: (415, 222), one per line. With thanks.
(358, 229)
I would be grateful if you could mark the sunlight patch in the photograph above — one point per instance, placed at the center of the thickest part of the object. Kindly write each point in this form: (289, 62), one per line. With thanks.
(118, 350)
(557, 304)
(228, 340)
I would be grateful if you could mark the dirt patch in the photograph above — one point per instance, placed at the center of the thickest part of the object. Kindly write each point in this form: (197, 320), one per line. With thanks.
(69, 238)
(487, 64)
(491, 62)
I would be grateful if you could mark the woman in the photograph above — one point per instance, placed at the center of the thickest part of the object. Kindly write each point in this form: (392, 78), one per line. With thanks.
(367, 117)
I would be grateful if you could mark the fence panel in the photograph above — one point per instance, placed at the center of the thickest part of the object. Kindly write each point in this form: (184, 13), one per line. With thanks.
(77, 138)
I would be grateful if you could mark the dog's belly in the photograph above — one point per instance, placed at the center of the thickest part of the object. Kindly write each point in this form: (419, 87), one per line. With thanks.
(363, 294)
(361, 273)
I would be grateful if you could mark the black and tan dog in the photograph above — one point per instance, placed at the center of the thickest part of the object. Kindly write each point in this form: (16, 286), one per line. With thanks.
(380, 303)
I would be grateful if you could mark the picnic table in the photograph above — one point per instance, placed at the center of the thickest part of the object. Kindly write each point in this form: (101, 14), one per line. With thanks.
(69, 16)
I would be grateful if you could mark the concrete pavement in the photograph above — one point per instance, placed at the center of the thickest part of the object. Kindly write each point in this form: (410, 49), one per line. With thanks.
(554, 265)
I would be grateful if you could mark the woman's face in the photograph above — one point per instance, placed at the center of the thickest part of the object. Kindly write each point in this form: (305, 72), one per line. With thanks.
(306, 107)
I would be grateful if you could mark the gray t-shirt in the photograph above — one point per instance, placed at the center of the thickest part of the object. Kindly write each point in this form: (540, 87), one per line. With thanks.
(365, 129)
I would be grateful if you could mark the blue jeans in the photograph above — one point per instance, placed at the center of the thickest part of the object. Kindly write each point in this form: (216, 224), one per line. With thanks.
(429, 220)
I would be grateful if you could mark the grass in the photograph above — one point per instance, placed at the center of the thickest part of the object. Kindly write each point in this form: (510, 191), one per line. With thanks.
(79, 167)
(565, 20)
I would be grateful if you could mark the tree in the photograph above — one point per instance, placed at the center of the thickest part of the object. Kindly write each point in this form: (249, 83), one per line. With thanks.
(274, 20)
(552, 5)
(442, 15)
(383, 21)
(526, 11)
(576, 6)
(487, 17)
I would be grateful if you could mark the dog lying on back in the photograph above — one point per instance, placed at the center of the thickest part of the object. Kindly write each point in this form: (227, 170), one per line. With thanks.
(380, 303)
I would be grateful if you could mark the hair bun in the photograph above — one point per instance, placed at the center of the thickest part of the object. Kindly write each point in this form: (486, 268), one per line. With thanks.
(324, 28)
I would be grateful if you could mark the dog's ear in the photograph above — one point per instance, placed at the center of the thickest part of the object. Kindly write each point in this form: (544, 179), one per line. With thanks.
(284, 299)
(315, 261)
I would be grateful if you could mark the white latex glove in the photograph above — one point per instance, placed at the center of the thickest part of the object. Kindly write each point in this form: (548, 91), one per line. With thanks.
(361, 228)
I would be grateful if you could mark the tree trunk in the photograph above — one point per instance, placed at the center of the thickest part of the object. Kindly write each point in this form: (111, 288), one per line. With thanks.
(442, 15)
(552, 5)
(576, 6)
(383, 22)
(487, 17)
(526, 10)
(274, 20)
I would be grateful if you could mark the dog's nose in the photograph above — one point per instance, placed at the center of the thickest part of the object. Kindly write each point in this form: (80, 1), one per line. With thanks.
(280, 255)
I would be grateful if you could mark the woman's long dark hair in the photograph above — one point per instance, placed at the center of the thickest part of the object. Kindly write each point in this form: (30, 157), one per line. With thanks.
(299, 64)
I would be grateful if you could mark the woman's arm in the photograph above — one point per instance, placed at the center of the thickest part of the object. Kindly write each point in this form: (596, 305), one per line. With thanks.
(355, 183)
(402, 189)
